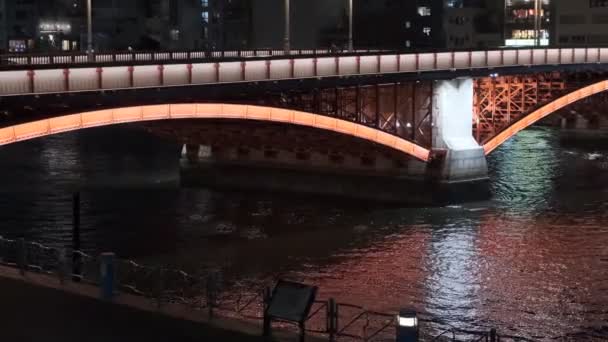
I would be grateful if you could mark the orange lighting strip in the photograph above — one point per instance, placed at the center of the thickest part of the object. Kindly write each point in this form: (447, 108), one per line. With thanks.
(106, 117)
(542, 112)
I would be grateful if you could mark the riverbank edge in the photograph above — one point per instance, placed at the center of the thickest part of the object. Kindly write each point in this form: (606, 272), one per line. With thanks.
(78, 294)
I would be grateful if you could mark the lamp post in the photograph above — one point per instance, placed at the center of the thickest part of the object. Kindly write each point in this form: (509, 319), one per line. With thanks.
(537, 25)
(89, 29)
(286, 43)
(407, 326)
(350, 25)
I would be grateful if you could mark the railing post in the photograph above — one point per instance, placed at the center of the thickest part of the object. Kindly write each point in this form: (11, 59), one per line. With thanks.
(331, 319)
(302, 329)
(107, 276)
(158, 287)
(211, 294)
(22, 256)
(493, 336)
(62, 265)
(266, 324)
(337, 317)
(76, 257)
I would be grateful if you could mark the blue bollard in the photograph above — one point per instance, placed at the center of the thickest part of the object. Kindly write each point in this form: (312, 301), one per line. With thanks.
(107, 276)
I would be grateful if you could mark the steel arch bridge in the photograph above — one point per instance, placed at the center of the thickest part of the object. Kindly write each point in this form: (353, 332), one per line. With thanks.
(404, 102)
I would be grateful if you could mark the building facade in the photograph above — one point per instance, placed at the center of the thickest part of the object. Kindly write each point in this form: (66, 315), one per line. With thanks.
(20, 19)
(314, 23)
(398, 24)
(581, 23)
(529, 22)
(420, 24)
(472, 24)
(226, 24)
(61, 25)
(3, 26)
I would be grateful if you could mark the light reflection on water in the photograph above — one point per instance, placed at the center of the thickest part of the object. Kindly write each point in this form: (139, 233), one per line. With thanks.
(532, 261)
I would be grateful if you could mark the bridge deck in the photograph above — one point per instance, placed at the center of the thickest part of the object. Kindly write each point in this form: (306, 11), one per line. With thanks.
(115, 74)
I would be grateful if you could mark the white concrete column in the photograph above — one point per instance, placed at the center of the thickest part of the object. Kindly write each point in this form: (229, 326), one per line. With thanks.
(453, 131)
(184, 151)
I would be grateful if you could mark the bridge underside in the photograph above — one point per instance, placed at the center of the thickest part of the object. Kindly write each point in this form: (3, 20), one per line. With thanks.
(285, 145)
(265, 156)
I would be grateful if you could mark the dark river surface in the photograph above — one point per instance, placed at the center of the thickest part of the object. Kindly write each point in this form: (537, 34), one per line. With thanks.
(532, 261)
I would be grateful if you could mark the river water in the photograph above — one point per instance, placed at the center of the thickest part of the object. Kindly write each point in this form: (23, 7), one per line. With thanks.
(532, 261)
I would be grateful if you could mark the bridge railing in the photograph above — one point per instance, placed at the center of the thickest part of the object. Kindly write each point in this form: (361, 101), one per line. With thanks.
(144, 70)
(67, 58)
(457, 57)
(206, 292)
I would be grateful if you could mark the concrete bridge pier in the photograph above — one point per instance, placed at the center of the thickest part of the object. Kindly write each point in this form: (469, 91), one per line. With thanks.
(457, 158)
(194, 154)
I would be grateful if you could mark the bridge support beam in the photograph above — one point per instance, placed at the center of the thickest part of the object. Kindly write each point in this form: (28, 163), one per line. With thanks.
(458, 158)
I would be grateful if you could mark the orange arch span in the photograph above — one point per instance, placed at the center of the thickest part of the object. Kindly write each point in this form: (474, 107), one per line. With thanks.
(106, 117)
(542, 112)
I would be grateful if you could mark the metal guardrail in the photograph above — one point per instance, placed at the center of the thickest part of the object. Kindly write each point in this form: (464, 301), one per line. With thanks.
(161, 56)
(336, 321)
(79, 57)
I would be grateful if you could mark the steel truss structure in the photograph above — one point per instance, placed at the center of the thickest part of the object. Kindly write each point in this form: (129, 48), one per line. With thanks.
(402, 109)
(500, 101)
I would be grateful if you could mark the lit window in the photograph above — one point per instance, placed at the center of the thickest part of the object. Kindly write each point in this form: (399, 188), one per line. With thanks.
(174, 34)
(424, 11)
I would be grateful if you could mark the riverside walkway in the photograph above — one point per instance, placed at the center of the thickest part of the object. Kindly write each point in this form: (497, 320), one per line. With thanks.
(37, 307)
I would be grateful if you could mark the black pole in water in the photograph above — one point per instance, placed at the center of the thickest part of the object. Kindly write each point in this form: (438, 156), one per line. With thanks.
(76, 258)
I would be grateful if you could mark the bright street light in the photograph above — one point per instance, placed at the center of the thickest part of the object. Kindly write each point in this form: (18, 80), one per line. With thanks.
(89, 28)
(407, 326)
(286, 43)
(350, 25)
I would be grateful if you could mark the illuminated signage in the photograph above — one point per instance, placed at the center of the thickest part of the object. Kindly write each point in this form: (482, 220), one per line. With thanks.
(55, 27)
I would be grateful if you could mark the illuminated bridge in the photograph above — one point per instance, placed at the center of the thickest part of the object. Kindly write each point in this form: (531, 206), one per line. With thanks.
(427, 115)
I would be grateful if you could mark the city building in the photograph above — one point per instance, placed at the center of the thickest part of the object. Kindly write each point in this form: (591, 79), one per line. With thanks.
(419, 24)
(529, 22)
(171, 24)
(227, 24)
(61, 25)
(472, 24)
(581, 23)
(397, 24)
(3, 26)
(20, 22)
(314, 24)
